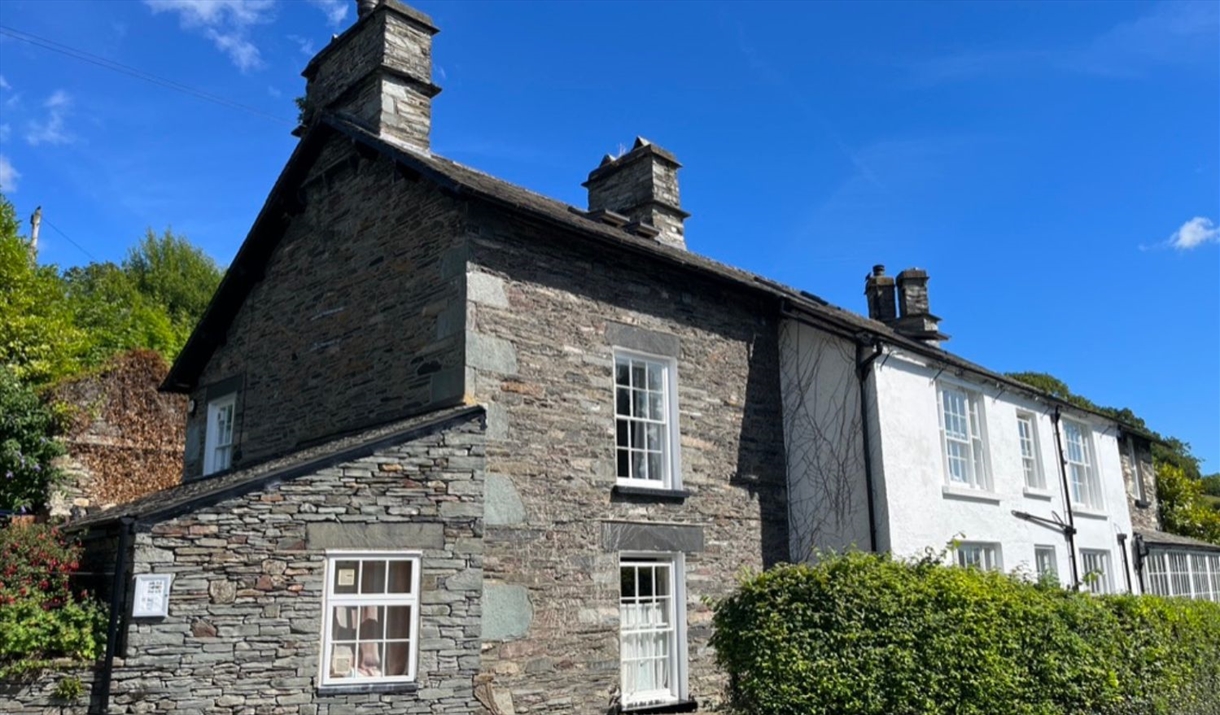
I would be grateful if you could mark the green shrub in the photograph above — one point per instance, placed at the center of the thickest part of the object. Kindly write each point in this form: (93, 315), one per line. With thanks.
(27, 444)
(40, 618)
(862, 634)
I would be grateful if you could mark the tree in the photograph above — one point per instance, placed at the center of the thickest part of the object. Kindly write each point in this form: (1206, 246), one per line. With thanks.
(27, 444)
(39, 339)
(1184, 510)
(117, 317)
(175, 274)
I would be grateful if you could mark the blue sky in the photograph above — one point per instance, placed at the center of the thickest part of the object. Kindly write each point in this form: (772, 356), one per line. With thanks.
(1054, 166)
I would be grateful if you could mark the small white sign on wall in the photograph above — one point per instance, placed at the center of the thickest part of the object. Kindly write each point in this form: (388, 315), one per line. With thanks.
(152, 595)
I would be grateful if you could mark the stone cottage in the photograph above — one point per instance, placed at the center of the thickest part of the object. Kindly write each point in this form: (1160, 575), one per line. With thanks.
(453, 446)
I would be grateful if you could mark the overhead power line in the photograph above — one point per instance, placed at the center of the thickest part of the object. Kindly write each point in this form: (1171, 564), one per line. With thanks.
(74, 243)
(133, 72)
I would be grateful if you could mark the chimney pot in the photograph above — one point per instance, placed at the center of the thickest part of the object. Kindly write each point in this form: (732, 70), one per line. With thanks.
(879, 291)
(879, 270)
(364, 7)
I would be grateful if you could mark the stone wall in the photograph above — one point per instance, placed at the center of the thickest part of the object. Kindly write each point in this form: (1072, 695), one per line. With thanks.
(357, 322)
(1145, 513)
(244, 627)
(544, 315)
(36, 694)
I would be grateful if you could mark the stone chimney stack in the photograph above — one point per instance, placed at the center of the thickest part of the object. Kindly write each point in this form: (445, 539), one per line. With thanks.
(879, 290)
(378, 73)
(914, 318)
(641, 185)
(905, 309)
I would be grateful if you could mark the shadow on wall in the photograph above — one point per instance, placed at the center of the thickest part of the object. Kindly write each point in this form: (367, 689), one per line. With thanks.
(760, 447)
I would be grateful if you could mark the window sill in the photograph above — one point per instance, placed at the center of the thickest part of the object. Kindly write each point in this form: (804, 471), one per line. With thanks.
(356, 689)
(1037, 493)
(679, 706)
(1089, 513)
(969, 494)
(644, 493)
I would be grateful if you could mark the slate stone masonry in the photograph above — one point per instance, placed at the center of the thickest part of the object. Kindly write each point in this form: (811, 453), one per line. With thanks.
(554, 307)
(244, 628)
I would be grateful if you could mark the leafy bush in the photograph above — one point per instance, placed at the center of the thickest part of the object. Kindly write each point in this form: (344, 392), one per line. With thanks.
(1185, 509)
(27, 444)
(864, 634)
(40, 618)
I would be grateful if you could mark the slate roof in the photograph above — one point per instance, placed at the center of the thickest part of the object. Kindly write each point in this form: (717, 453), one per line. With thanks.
(1161, 538)
(248, 266)
(190, 495)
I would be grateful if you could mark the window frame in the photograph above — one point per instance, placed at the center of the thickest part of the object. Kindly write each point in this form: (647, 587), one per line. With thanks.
(678, 646)
(671, 456)
(988, 550)
(1041, 551)
(386, 600)
(210, 444)
(1029, 418)
(1103, 585)
(978, 468)
(1092, 482)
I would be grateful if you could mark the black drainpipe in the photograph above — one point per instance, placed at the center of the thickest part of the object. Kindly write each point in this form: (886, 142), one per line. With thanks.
(1070, 531)
(863, 364)
(118, 593)
(1122, 547)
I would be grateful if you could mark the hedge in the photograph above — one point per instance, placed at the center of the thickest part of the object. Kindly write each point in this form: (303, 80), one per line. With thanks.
(865, 634)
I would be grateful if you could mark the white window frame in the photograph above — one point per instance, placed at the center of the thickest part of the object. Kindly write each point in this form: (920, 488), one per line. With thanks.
(332, 600)
(1101, 563)
(1086, 491)
(671, 457)
(1031, 462)
(986, 555)
(213, 443)
(1184, 573)
(678, 656)
(1046, 561)
(976, 474)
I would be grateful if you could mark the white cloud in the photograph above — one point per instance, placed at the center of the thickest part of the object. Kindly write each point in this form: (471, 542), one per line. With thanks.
(226, 23)
(52, 130)
(8, 175)
(5, 131)
(1195, 233)
(4, 83)
(336, 10)
(304, 43)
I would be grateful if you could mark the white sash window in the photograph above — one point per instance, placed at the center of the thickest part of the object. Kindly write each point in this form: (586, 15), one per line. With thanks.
(218, 442)
(652, 630)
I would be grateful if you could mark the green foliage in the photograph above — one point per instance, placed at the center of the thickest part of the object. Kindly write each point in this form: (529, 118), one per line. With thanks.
(39, 339)
(40, 618)
(1185, 509)
(175, 274)
(863, 634)
(68, 689)
(1211, 485)
(27, 444)
(117, 316)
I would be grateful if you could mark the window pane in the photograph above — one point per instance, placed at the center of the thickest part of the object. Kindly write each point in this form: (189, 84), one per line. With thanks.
(621, 431)
(638, 377)
(369, 659)
(397, 659)
(622, 406)
(400, 577)
(342, 660)
(372, 623)
(398, 623)
(656, 377)
(624, 463)
(372, 577)
(344, 621)
(345, 573)
(622, 373)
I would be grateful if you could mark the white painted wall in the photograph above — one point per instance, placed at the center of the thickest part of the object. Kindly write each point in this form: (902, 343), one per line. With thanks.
(827, 498)
(920, 513)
